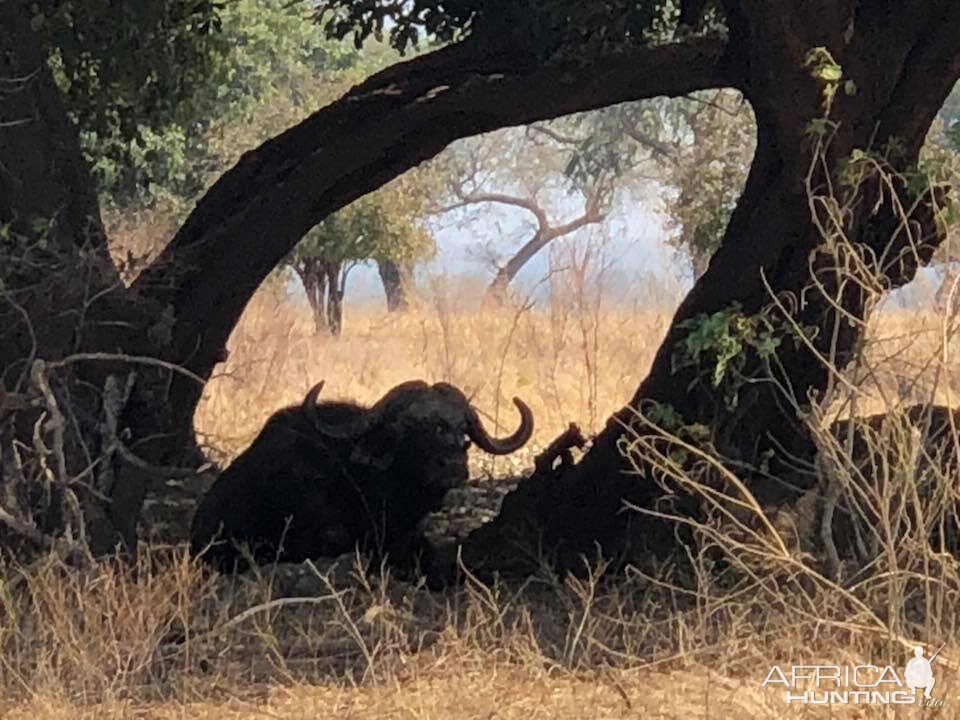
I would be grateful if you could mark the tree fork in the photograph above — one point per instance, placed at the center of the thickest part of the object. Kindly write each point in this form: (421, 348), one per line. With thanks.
(770, 240)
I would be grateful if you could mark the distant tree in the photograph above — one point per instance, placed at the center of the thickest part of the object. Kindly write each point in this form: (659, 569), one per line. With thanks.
(524, 171)
(383, 227)
(695, 151)
(397, 279)
(714, 142)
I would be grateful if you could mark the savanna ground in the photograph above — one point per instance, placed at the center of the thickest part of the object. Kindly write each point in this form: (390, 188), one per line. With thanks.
(172, 641)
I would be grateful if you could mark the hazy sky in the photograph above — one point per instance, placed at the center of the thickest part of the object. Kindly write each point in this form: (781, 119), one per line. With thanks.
(633, 239)
(635, 244)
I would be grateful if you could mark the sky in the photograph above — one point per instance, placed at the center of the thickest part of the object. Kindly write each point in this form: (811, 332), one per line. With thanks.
(636, 249)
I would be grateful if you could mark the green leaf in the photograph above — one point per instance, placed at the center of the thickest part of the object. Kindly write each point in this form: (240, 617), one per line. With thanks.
(830, 72)
(818, 127)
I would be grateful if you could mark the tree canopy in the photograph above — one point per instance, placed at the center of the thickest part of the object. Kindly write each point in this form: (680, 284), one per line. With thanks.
(152, 94)
(267, 66)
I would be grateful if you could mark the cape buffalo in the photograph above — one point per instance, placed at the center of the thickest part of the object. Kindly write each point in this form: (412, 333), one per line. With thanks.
(323, 478)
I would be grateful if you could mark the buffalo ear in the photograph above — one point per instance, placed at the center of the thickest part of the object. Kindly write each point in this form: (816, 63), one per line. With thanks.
(377, 447)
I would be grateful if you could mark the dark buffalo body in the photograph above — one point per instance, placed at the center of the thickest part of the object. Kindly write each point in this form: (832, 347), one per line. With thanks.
(324, 478)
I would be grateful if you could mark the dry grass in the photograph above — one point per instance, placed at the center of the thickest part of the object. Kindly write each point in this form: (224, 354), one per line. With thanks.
(576, 358)
(105, 644)
(170, 641)
(567, 361)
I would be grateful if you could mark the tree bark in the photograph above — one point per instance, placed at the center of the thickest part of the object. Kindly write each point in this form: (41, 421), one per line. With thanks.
(62, 299)
(182, 308)
(335, 281)
(546, 232)
(314, 281)
(497, 290)
(395, 278)
(172, 325)
(545, 235)
(263, 206)
(903, 66)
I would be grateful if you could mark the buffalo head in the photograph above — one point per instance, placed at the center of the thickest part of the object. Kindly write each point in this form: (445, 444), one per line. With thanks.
(430, 426)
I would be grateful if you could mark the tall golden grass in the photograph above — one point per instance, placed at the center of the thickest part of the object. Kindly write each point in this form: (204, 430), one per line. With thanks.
(569, 360)
(576, 357)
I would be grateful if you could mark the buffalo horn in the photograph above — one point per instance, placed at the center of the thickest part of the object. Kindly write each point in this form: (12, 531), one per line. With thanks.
(501, 446)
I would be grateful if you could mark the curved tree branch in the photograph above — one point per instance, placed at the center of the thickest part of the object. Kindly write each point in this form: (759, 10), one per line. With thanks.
(593, 212)
(934, 62)
(524, 203)
(260, 209)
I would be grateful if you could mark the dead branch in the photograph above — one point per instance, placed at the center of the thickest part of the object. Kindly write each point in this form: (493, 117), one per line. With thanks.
(561, 448)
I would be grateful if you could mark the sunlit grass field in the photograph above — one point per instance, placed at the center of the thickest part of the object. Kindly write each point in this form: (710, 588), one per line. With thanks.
(569, 360)
(577, 357)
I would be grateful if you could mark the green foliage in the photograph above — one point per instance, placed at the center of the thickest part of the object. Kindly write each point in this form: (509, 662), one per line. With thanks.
(700, 146)
(858, 166)
(609, 24)
(712, 159)
(606, 147)
(820, 127)
(828, 73)
(939, 164)
(722, 342)
(148, 89)
(404, 23)
(666, 418)
(130, 75)
(256, 68)
(118, 63)
(546, 24)
(664, 415)
(822, 65)
(382, 225)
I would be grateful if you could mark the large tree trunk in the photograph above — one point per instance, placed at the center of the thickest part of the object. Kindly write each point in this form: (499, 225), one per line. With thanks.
(904, 65)
(254, 215)
(173, 324)
(335, 291)
(65, 317)
(396, 280)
